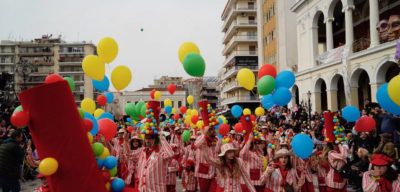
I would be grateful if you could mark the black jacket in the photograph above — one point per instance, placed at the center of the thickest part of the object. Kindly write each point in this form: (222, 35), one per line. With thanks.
(11, 159)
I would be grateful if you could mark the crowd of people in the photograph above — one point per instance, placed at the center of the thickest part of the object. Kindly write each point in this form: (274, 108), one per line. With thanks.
(261, 161)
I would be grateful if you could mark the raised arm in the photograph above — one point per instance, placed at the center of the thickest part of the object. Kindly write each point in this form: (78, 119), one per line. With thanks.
(166, 150)
(244, 152)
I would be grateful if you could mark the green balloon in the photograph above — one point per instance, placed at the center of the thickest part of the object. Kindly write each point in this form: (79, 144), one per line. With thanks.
(71, 83)
(81, 112)
(113, 172)
(129, 108)
(143, 111)
(138, 108)
(266, 85)
(194, 65)
(18, 109)
(186, 136)
(98, 148)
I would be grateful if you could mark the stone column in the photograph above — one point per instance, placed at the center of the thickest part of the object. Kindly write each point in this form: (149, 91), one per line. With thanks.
(373, 20)
(354, 96)
(316, 101)
(332, 99)
(374, 89)
(329, 33)
(348, 12)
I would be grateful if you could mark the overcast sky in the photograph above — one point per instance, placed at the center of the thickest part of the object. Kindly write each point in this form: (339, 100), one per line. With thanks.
(149, 54)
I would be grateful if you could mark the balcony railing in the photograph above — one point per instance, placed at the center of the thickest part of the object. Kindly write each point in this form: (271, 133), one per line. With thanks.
(235, 24)
(230, 86)
(243, 38)
(242, 99)
(235, 69)
(236, 10)
(361, 44)
(71, 53)
(334, 55)
(239, 53)
(36, 53)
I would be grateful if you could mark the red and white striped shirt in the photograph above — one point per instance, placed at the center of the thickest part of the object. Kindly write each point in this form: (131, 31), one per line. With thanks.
(336, 160)
(171, 171)
(203, 168)
(152, 171)
(132, 157)
(233, 184)
(304, 167)
(189, 181)
(116, 147)
(253, 163)
(396, 185)
(370, 184)
(274, 181)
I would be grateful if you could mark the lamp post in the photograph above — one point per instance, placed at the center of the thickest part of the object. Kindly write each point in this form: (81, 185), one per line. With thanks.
(23, 68)
(309, 106)
(7, 93)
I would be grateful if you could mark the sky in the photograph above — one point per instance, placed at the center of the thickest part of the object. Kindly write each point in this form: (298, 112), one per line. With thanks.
(149, 54)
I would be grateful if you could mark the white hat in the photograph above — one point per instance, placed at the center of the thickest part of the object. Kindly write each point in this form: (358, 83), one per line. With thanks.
(121, 130)
(165, 133)
(232, 132)
(136, 137)
(282, 153)
(227, 147)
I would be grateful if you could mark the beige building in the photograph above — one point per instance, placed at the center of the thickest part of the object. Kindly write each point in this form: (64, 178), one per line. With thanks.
(342, 57)
(31, 61)
(164, 81)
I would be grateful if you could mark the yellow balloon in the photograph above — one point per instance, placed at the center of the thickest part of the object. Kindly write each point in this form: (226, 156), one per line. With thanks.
(167, 102)
(190, 99)
(186, 48)
(107, 49)
(157, 95)
(200, 124)
(194, 112)
(246, 78)
(105, 153)
(93, 67)
(174, 110)
(98, 112)
(188, 121)
(88, 105)
(189, 111)
(259, 111)
(108, 186)
(394, 89)
(121, 77)
(48, 166)
(90, 137)
(246, 111)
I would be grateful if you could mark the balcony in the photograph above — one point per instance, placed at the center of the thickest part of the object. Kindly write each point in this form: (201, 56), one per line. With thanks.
(234, 12)
(70, 63)
(238, 24)
(239, 39)
(6, 63)
(72, 53)
(331, 56)
(231, 86)
(7, 52)
(243, 99)
(239, 53)
(234, 70)
(38, 53)
(71, 72)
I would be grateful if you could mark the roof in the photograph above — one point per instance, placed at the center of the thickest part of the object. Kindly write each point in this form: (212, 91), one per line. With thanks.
(159, 89)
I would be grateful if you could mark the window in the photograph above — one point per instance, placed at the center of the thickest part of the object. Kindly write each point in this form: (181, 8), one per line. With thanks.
(2, 59)
(179, 103)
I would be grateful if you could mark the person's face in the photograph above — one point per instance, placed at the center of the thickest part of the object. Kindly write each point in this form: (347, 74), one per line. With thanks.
(19, 139)
(363, 135)
(149, 142)
(135, 143)
(364, 112)
(261, 145)
(120, 135)
(238, 137)
(283, 160)
(230, 155)
(380, 170)
(394, 27)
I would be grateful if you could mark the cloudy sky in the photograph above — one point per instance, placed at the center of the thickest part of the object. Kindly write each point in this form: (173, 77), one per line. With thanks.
(149, 54)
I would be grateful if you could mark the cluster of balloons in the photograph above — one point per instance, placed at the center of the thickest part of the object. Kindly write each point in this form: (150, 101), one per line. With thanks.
(193, 62)
(136, 111)
(339, 133)
(387, 97)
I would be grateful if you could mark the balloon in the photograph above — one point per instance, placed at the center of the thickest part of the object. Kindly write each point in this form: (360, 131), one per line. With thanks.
(246, 78)
(195, 118)
(266, 85)
(190, 99)
(186, 136)
(143, 111)
(185, 49)
(101, 85)
(110, 162)
(48, 166)
(236, 111)
(194, 65)
(393, 89)
(285, 79)
(246, 111)
(98, 148)
(107, 128)
(101, 100)
(157, 95)
(52, 78)
(177, 117)
(365, 124)
(99, 162)
(17, 109)
(167, 102)
(182, 109)
(168, 109)
(152, 93)
(109, 96)
(20, 119)
(302, 146)
(88, 105)
(81, 112)
(113, 172)
(200, 124)
(90, 137)
(95, 128)
(171, 88)
(238, 128)
(71, 83)
(138, 107)
(267, 69)
(385, 102)
(252, 118)
(129, 129)
(350, 113)
(224, 129)
(107, 49)
(194, 112)
(259, 111)
(281, 96)
(188, 111)
(106, 115)
(129, 109)
(117, 184)
(98, 112)
(267, 101)
(93, 67)
(121, 77)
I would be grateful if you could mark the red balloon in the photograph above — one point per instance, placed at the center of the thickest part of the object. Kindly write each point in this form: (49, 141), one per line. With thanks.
(252, 118)
(152, 93)
(129, 189)
(52, 78)
(365, 124)
(130, 129)
(171, 88)
(195, 118)
(20, 119)
(224, 129)
(106, 175)
(177, 116)
(238, 128)
(101, 100)
(267, 69)
(183, 109)
(88, 124)
(107, 128)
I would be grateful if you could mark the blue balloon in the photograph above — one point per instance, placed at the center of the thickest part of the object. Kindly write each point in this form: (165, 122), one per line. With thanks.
(101, 85)
(95, 128)
(236, 111)
(109, 96)
(107, 115)
(129, 119)
(267, 101)
(110, 162)
(384, 100)
(220, 136)
(282, 96)
(302, 146)
(117, 185)
(285, 79)
(99, 162)
(350, 113)
(168, 109)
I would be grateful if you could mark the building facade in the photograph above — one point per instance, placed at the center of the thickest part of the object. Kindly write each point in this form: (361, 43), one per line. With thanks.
(345, 50)
(31, 61)
(240, 51)
(164, 81)
(209, 91)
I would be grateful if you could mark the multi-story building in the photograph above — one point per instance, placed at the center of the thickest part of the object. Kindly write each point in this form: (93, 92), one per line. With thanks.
(164, 81)
(31, 61)
(345, 50)
(209, 91)
(241, 51)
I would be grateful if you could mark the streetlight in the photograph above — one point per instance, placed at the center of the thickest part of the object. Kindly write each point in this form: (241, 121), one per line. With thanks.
(24, 68)
(309, 106)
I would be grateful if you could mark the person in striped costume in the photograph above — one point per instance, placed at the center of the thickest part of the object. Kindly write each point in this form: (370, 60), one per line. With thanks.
(381, 177)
